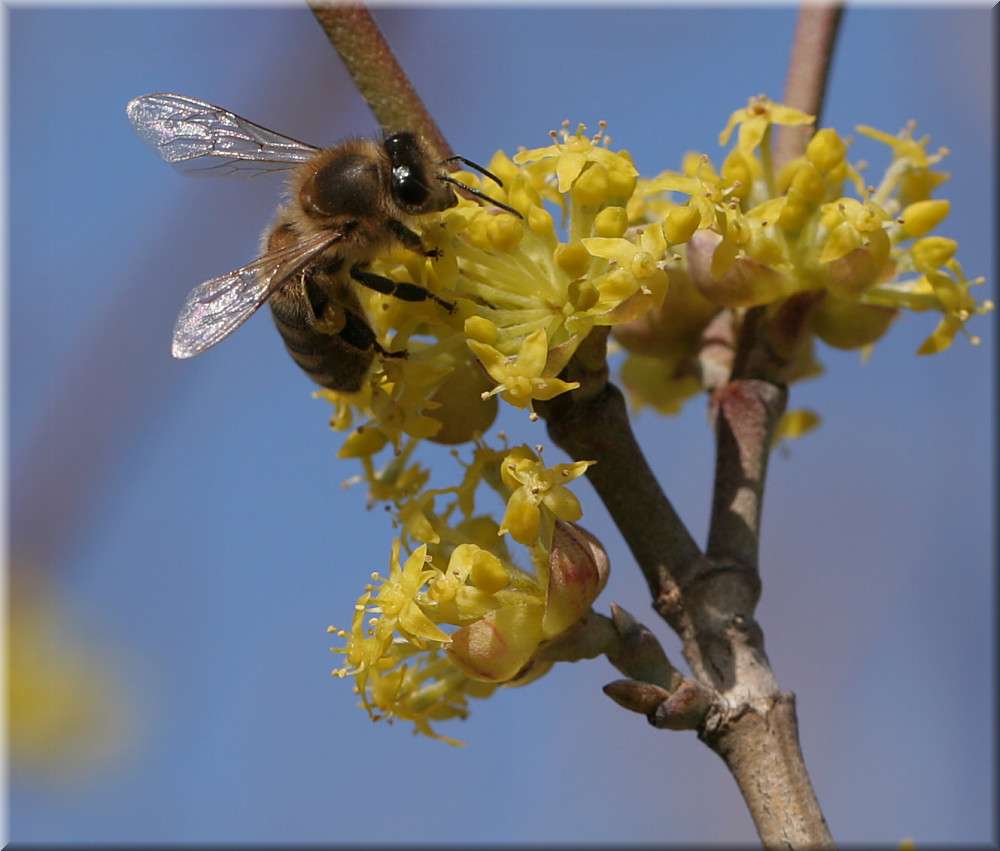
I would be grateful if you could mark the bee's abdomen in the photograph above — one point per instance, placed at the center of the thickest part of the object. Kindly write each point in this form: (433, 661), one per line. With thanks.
(337, 361)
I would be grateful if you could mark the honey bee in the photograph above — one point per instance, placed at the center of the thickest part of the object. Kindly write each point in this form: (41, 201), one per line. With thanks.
(346, 205)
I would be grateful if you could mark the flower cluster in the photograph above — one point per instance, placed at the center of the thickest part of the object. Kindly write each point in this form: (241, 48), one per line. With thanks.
(457, 617)
(528, 291)
(755, 235)
(596, 244)
(665, 263)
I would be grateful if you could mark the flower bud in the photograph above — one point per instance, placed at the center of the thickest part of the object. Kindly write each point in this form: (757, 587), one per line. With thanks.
(681, 223)
(636, 695)
(795, 212)
(504, 232)
(640, 654)
(573, 258)
(621, 182)
(540, 221)
(591, 187)
(854, 272)
(921, 217)
(503, 167)
(582, 294)
(849, 324)
(933, 252)
(499, 645)
(523, 197)
(826, 150)
(481, 330)
(578, 572)
(729, 280)
(737, 171)
(808, 182)
(685, 709)
(611, 222)
(464, 412)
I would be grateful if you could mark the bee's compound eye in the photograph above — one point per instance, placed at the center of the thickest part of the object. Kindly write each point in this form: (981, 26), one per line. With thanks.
(344, 186)
(403, 149)
(410, 186)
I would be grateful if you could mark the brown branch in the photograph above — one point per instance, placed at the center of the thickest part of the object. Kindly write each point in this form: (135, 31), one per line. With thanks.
(748, 412)
(762, 751)
(808, 71)
(755, 731)
(592, 423)
(708, 600)
(376, 71)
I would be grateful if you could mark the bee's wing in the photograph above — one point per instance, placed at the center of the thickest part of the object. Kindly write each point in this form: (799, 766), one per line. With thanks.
(202, 140)
(218, 307)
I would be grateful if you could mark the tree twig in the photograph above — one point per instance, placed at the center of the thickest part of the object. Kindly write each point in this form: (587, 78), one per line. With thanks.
(747, 415)
(592, 423)
(378, 75)
(808, 69)
(762, 751)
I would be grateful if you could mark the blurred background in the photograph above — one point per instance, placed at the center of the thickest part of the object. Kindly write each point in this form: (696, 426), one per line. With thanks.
(179, 537)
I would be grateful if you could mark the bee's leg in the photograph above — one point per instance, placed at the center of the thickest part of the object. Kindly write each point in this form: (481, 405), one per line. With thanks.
(402, 353)
(411, 240)
(400, 289)
(358, 333)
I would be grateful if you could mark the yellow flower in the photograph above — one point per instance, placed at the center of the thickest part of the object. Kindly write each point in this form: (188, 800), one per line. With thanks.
(942, 288)
(534, 487)
(755, 120)
(67, 710)
(529, 289)
(397, 599)
(520, 376)
(910, 177)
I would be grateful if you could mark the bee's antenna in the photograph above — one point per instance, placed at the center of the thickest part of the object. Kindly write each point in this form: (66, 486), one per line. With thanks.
(481, 195)
(476, 166)
(476, 192)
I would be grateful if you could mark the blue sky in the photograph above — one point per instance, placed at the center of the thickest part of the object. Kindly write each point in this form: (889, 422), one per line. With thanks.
(192, 513)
